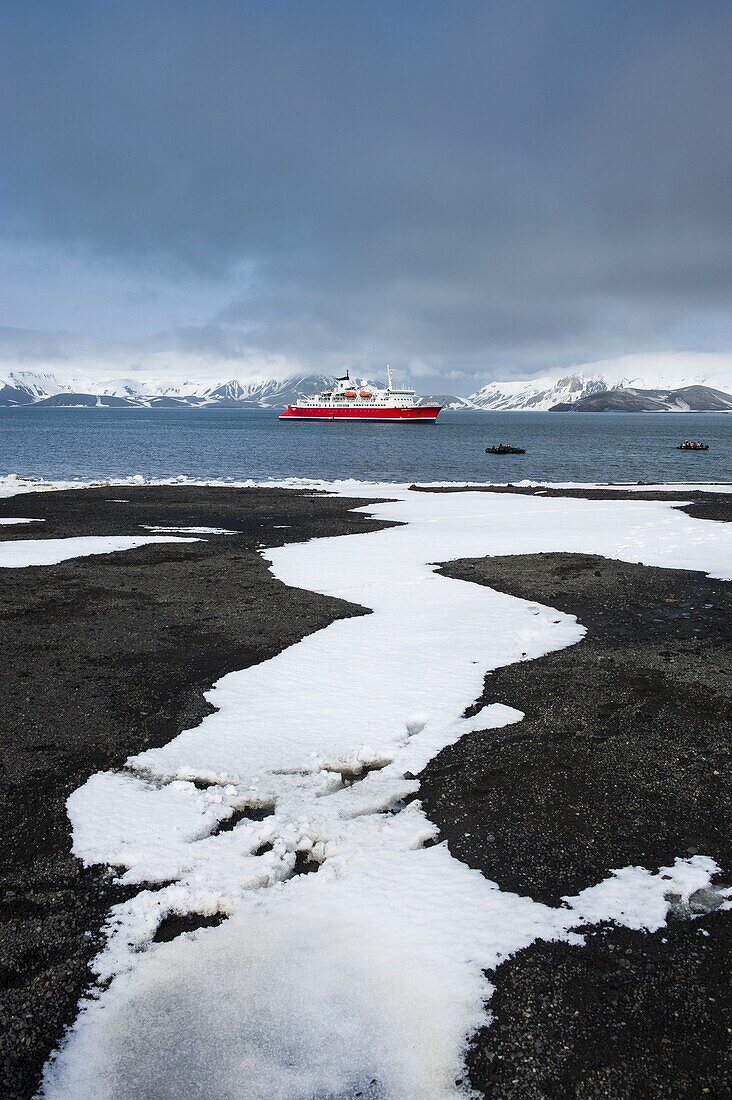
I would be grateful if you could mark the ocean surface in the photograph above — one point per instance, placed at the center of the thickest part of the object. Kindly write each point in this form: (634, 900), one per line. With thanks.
(239, 444)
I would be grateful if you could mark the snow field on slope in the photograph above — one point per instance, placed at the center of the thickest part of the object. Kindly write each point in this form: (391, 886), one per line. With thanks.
(369, 975)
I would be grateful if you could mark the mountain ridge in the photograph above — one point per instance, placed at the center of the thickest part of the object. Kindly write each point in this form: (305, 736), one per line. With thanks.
(576, 391)
(26, 388)
(694, 398)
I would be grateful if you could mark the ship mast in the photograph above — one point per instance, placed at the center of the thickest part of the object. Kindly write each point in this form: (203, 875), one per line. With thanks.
(389, 385)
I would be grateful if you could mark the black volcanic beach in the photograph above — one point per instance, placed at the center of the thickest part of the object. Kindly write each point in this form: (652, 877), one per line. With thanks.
(623, 757)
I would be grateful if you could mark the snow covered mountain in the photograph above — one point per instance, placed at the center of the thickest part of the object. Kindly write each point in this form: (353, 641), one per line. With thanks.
(632, 399)
(537, 395)
(272, 394)
(20, 387)
(610, 391)
(26, 388)
(448, 401)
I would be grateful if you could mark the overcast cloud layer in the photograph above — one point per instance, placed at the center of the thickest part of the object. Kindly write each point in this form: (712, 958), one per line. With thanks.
(470, 190)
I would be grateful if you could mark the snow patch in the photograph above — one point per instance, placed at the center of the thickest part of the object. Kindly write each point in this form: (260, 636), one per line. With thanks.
(189, 530)
(23, 553)
(638, 899)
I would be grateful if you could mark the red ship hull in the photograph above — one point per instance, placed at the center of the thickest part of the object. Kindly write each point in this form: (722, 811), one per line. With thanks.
(415, 414)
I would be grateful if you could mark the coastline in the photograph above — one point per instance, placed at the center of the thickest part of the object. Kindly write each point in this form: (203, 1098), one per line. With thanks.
(194, 633)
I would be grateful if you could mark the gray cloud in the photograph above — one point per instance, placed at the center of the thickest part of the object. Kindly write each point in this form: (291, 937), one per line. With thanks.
(474, 186)
(28, 346)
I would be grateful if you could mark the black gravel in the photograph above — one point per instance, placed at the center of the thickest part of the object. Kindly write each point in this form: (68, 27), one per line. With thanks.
(104, 657)
(623, 757)
(629, 1015)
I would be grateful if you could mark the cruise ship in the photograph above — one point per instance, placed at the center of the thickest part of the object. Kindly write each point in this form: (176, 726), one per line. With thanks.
(350, 400)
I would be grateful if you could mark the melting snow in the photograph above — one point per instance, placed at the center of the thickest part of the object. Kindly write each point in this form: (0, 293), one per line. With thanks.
(190, 530)
(21, 553)
(366, 978)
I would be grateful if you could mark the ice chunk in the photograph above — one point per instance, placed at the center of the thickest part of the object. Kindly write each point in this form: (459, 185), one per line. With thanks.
(416, 723)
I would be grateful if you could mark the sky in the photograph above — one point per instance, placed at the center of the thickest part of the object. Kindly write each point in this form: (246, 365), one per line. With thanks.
(468, 190)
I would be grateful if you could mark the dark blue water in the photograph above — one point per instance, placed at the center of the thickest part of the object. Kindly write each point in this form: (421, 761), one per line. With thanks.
(93, 443)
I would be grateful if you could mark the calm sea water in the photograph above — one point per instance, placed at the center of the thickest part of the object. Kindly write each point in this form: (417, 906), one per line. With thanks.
(215, 443)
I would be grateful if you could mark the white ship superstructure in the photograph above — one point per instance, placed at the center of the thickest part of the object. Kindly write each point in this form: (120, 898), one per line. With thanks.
(353, 400)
